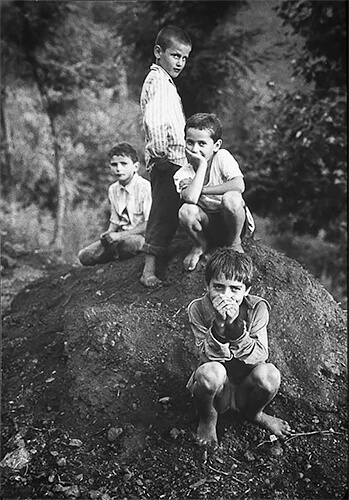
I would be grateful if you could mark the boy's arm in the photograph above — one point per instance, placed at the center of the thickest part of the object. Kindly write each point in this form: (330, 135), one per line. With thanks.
(236, 184)
(207, 347)
(251, 346)
(192, 192)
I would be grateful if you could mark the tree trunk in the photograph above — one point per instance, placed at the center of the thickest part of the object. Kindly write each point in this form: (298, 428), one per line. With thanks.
(8, 183)
(57, 239)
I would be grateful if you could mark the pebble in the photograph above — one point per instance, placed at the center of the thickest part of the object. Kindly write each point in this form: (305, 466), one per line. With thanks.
(114, 433)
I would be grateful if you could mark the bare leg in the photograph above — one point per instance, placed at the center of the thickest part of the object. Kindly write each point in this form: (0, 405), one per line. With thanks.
(148, 278)
(253, 395)
(211, 383)
(96, 253)
(193, 220)
(234, 217)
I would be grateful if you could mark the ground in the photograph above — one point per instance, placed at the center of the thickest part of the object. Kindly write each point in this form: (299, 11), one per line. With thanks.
(127, 432)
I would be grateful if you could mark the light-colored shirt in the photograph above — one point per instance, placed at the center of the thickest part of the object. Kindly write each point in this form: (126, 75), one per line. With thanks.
(130, 204)
(163, 118)
(251, 347)
(224, 167)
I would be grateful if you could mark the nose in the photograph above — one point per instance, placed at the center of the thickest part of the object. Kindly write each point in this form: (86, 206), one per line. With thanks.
(228, 293)
(195, 148)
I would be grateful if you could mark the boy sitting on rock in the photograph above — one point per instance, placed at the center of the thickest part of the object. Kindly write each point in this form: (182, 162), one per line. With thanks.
(130, 202)
(230, 330)
(214, 212)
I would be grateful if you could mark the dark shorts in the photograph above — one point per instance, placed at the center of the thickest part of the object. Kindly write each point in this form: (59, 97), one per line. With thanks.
(163, 218)
(216, 230)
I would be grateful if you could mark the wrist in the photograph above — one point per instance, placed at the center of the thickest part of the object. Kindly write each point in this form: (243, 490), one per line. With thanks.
(235, 329)
(218, 332)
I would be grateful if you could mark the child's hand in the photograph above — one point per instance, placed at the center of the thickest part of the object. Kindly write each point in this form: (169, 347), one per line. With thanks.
(185, 183)
(109, 237)
(227, 309)
(195, 159)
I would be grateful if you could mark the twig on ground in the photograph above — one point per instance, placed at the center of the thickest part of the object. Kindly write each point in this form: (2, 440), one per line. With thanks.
(329, 431)
(217, 470)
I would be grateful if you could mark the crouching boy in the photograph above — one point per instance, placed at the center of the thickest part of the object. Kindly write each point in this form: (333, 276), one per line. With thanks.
(130, 202)
(230, 330)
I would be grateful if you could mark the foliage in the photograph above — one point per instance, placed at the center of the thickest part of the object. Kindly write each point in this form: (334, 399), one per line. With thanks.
(221, 54)
(301, 158)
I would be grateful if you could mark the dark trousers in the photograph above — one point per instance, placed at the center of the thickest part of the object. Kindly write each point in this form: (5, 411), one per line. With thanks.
(163, 218)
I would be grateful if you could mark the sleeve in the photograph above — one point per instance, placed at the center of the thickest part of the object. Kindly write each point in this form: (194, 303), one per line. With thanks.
(147, 200)
(206, 346)
(114, 216)
(228, 165)
(155, 118)
(164, 121)
(252, 346)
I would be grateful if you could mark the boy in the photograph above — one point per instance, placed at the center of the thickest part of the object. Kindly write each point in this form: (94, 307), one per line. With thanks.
(130, 201)
(163, 121)
(211, 186)
(230, 330)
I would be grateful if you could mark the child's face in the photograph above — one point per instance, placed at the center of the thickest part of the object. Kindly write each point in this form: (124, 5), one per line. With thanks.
(123, 168)
(231, 288)
(173, 59)
(201, 142)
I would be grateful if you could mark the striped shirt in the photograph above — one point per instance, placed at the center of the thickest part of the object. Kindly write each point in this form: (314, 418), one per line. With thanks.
(130, 204)
(163, 118)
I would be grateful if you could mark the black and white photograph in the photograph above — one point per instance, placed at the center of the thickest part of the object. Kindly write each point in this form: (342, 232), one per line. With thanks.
(173, 211)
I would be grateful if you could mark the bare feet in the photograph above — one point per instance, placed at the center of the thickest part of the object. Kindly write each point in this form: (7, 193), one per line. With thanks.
(192, 259)
(150, 280)
(275, 425)
(206, 434)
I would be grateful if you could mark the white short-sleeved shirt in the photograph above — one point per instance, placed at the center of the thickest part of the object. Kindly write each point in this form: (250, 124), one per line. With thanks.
(224, 167)
(130, 204)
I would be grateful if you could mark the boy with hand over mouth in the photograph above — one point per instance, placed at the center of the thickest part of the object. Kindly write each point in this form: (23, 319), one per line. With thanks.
(230, 331)
(214, 212)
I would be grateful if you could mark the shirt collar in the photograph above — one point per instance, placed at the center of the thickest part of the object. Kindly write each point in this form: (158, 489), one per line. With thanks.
(160, 69)
(128, 188)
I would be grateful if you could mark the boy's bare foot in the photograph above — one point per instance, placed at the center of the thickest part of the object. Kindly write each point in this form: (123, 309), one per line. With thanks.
(150, 280)
(206, 435)
(275, 425)
(192, 259)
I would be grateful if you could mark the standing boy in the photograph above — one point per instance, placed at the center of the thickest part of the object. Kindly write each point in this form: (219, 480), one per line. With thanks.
(130, 201)
(163, 121)
(230, 330)
(211, 186)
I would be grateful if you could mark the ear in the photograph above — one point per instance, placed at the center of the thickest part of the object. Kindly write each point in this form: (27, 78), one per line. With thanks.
(136, 165)
(157, 52)
(217, 145)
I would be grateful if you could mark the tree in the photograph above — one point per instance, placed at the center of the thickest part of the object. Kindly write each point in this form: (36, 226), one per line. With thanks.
(302, 158)
(63, 51)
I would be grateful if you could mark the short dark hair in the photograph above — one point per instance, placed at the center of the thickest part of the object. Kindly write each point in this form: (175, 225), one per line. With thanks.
(168, 34)
(232, 264)
(205, 121)
(123, 149)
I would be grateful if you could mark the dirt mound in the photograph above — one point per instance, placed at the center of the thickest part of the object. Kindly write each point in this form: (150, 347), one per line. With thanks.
(91, 349)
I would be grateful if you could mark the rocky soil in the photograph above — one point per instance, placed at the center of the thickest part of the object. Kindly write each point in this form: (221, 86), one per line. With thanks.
(93, 391)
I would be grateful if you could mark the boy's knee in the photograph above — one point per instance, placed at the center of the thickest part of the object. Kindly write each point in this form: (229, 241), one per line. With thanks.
(210, 376)
(232, 201)
(188, 213)
(267, 377)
